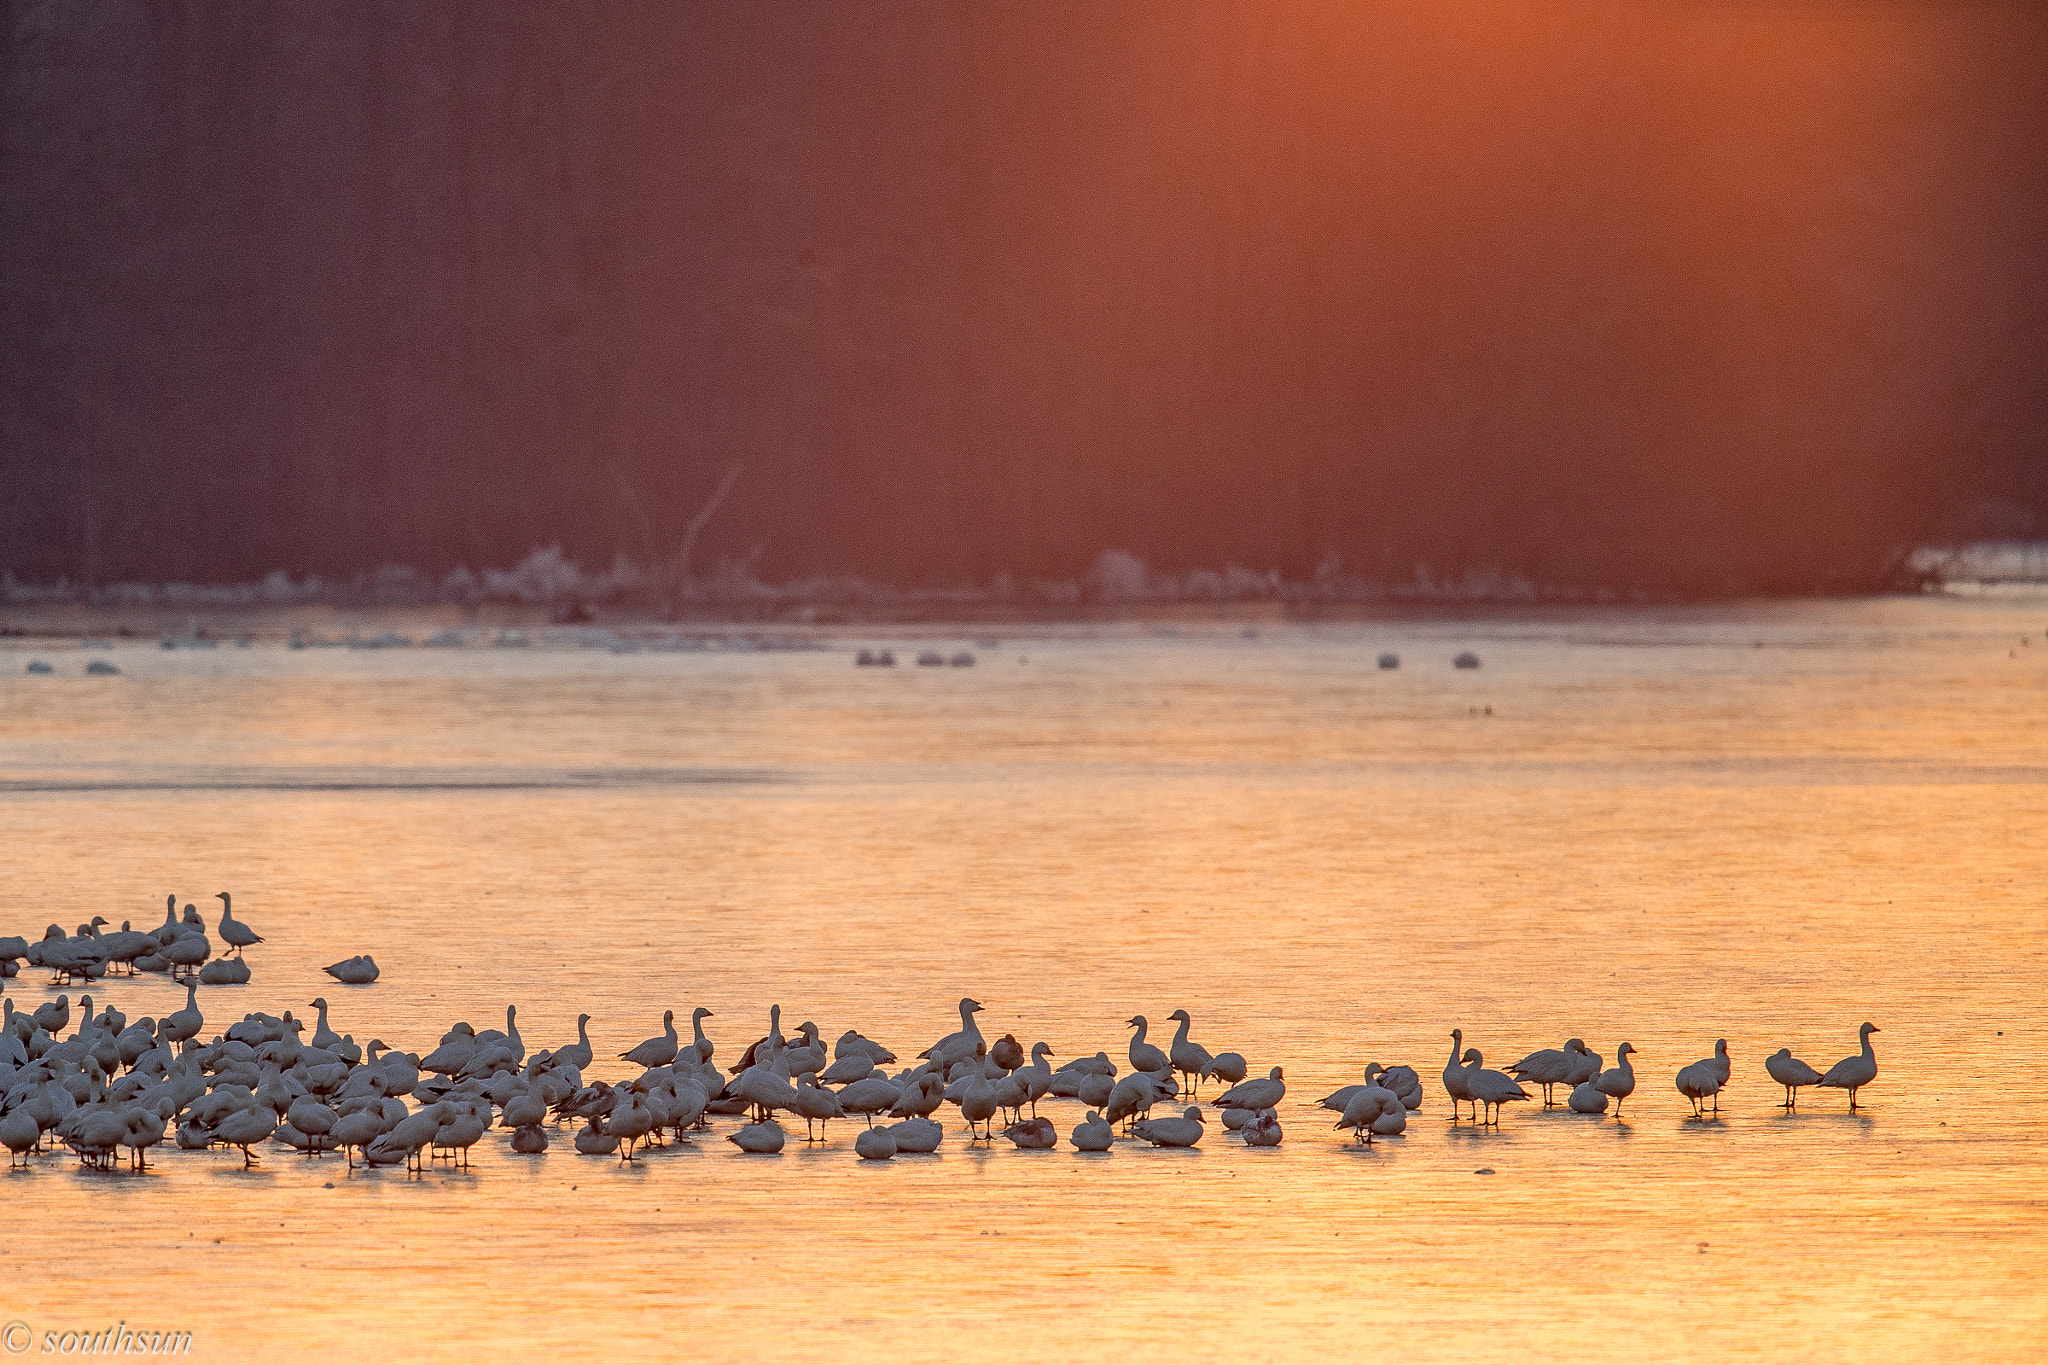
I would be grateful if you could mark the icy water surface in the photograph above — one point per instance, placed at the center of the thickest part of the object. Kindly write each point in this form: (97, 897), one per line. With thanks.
(1764, 823)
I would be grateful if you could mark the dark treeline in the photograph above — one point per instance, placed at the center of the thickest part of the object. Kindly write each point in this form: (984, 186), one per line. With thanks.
(1691, 297)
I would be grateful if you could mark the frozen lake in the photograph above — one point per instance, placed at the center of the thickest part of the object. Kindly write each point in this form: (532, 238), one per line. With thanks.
(1766, 822)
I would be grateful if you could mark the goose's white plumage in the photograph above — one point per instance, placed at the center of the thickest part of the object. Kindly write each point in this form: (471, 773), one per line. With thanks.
(1853, 1073)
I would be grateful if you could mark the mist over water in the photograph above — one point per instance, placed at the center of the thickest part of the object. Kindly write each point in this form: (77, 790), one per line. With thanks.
(1765, 823)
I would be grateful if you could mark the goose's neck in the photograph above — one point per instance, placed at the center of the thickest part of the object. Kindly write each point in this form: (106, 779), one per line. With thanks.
(1180, 1035)
(1455, 1042)
(1869, 1052)
(1140, 1038)
(582, 1032)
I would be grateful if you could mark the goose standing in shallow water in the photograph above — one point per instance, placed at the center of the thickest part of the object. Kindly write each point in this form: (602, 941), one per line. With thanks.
(1702, 1081)
(1190, 1059)
(1791, 1073)
(1454, 1078)
(659, 1050)
(233, 932)
(959, 1047)
(1619, 1081)
(1853, 1073)
(1144, 1056)
(1490, 1088)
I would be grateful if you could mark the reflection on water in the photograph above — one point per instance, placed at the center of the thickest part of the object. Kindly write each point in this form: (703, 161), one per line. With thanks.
(1766, 824)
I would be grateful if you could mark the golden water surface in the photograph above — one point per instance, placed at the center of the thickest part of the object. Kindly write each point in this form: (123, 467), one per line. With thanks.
(1767, 823)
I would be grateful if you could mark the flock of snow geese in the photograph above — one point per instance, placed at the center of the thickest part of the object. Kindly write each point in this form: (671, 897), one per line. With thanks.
(117, 1086)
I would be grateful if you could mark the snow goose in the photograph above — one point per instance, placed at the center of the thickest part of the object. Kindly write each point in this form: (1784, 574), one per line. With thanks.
(1128, 1098)
(577, 1054)
(1093, 1134)
(920, 1099)
(592, 1140)
(1254, 1094)
(323, 1036)
(245, 1128)
(1033, 1135)
(659, 1050)
(875, 1144)
(1490, 1088)
(766, 1050)
(1853, 1073)
(233, 932)
(179, 1025)
(1190, 1059)
(1263, 1131)
(1007, 1053)
(1144, 1056)
(763, 1139)
(1184, 1131)
(978, 1104)
(1454, 1078)
(1587, 1099)
(852, 1042)
(807, 1057)
(354, 971)
(699, 1041)
(875, 1094)
(960, 1046)
(1791, 1073)
(848, 1069)
(1702, 1080)
(630, 1122)
(1549, 1067)
(1619, 1081)
(918, 1135)
(816, 1104)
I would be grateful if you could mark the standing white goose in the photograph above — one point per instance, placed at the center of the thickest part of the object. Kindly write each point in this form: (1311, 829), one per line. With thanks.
(1490, 1088)
(1254, 1094)
(659, 1050)
(1144, 1056)
(233, 932)
(1791, 1073)
(577, 1054)
(179, 1025)
(699, 1041)
(1454, 1078)
(1853, 1073)
(960, 1046)
(323, 1036)
(1702, 1081)
(1190, 1059)
(1618, 1082)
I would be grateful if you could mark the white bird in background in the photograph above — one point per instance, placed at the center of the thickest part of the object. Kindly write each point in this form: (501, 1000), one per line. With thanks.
(1853, 1073)
(1791, 1073)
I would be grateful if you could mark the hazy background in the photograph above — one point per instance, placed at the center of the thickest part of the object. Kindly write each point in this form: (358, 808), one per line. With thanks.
(1690, 296)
